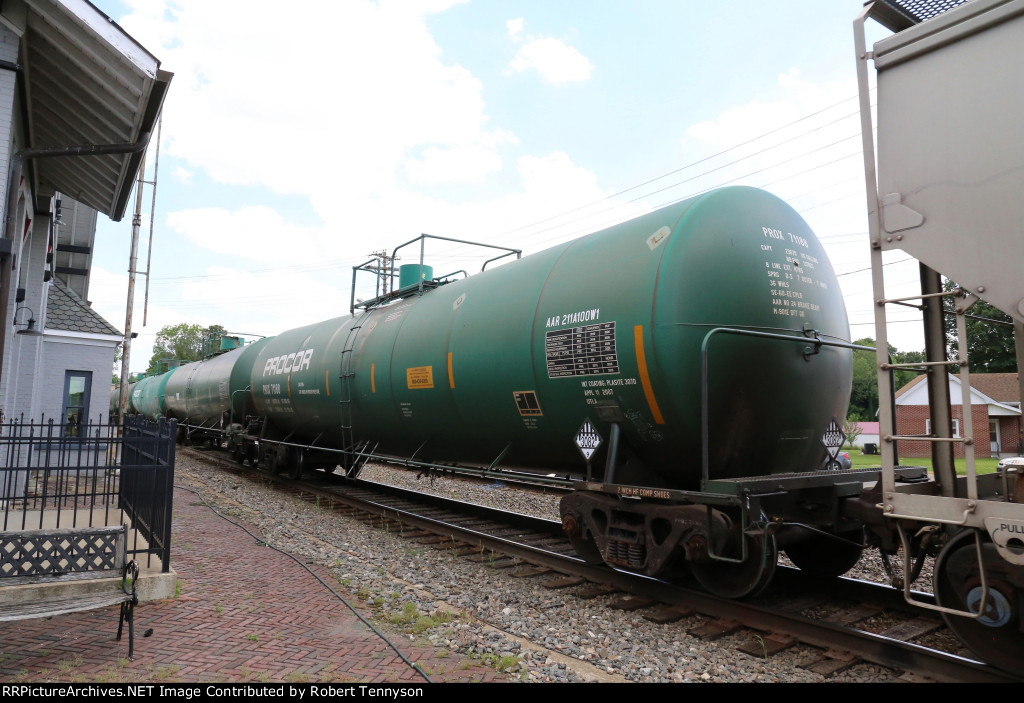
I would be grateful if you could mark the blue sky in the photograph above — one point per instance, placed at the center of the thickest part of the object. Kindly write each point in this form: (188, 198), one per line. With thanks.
(298, 138)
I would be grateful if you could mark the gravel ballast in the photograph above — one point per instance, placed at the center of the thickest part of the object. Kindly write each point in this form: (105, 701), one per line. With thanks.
(534, 633)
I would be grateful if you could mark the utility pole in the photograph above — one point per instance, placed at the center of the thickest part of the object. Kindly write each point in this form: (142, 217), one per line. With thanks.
(384, 272)
(126, 345)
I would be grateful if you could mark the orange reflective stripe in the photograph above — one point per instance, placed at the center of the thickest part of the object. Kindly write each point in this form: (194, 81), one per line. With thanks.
(645, 379)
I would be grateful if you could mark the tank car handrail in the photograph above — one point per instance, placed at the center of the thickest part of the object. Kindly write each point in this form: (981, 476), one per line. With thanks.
(816, 340)
(815, 343)
(509, 251)
(380, 269)
(922, 364)
(422, 239)
(517, 252)
(231, 414)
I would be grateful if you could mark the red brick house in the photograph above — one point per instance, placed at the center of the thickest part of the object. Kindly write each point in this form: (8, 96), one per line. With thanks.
(995, 414)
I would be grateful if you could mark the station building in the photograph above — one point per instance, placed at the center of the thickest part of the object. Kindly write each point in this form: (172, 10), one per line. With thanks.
(79, 100)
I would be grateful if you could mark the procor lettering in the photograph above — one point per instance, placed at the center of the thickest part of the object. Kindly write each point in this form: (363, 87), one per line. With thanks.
(288, 363)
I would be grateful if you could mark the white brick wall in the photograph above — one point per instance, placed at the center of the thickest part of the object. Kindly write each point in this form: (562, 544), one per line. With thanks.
(59, 357)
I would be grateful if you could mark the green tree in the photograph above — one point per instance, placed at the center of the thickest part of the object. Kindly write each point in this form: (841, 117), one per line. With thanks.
(115, 373)
(989, 336)
(864, 394)
(184, 342)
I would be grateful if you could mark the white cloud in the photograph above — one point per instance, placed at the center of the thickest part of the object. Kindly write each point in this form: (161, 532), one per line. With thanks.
(515, 27)
(554, 60)
(805, 146)
(340, 110)
(258, 232)
(460, 164)
(108, 292)
(263, 302)
(466, 163)
(800, 143)
(546, 174)
(356, 119)
(357, 116)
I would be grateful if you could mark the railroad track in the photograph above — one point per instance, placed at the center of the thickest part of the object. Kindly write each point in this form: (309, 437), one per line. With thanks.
(848, 621)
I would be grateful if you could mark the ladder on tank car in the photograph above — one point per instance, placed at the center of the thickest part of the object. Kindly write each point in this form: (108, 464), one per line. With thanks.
(355, 455)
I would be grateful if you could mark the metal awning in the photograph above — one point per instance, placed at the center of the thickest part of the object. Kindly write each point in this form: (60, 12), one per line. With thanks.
(91, 98)
(897, 15)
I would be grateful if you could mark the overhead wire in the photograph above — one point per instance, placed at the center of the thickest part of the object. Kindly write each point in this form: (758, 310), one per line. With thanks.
(618, 205)
(696, 163)
(589, 220)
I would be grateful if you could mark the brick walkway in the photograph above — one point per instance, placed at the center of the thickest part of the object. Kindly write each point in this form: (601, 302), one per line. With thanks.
(245, 613)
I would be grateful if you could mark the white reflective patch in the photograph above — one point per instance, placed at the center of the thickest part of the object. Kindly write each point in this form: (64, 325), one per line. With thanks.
(655, 240)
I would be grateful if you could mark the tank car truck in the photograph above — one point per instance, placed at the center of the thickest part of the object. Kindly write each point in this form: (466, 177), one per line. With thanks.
(946, 188)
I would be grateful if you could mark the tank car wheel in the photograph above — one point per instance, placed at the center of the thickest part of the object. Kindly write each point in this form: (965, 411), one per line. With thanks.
(825, 557)
(585, 546)
(996, 636)
(739, 580)
(296, 463)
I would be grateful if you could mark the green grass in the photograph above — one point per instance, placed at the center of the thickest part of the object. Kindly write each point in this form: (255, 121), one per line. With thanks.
(414, 622)
(863, 461)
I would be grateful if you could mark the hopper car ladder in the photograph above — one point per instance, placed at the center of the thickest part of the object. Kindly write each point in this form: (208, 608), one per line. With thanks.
(959, 231)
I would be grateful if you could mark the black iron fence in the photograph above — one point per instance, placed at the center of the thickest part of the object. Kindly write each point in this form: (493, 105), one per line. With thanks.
(97, 475)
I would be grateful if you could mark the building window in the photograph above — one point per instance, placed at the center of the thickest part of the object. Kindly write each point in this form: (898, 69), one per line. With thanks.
(956, 427)
(76, 401)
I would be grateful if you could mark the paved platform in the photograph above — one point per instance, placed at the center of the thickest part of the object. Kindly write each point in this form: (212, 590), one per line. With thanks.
(245, 613)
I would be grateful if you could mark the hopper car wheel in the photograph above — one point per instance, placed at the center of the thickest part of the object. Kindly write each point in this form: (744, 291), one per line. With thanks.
(739, 580)
(996, 636)
(826, 557)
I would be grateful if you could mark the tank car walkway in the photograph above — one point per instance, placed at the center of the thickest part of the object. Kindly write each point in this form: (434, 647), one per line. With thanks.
(245, 613)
